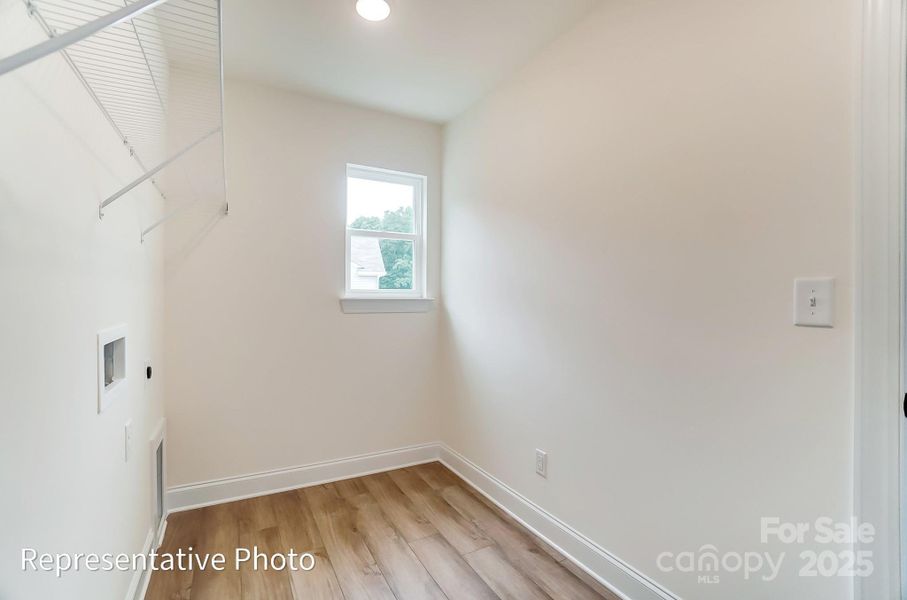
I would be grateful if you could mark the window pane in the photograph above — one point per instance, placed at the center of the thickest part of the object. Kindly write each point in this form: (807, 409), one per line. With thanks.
(380, 264)
(379, 205)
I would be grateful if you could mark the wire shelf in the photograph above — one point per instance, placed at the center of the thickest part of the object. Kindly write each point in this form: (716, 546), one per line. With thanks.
(154, 69)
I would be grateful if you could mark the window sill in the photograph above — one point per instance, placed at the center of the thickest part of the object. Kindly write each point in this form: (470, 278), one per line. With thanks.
(360, 305)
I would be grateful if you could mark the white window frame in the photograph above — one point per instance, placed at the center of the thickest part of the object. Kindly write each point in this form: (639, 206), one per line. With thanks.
(420, 185)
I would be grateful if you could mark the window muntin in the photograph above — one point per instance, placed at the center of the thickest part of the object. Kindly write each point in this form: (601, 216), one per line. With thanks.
(384, 234)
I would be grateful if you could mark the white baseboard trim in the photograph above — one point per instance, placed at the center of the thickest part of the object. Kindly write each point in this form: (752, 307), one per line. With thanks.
(196, 495)
(139, 582)
(603, 566)
(140, 579)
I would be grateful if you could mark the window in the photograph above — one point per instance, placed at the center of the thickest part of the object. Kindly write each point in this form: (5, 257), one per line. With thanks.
(385, 246)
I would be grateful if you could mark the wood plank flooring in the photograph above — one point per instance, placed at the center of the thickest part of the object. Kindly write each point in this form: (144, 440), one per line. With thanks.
(410, 534)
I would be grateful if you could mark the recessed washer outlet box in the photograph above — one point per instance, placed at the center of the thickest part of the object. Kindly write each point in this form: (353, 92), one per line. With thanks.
(111, 365)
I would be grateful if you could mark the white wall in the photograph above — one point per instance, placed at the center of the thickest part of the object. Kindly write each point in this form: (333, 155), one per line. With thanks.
(264, 371)
(66, 275)
(695, 157)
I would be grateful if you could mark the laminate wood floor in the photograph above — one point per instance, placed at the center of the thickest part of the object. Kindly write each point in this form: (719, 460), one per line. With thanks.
(409, 534)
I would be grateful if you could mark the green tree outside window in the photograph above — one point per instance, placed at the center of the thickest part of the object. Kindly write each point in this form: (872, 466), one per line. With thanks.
(396, 254)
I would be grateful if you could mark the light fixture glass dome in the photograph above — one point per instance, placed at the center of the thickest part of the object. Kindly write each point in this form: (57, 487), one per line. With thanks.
(373, 10)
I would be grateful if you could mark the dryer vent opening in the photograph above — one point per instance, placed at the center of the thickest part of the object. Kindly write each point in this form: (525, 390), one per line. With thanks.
(159, 482)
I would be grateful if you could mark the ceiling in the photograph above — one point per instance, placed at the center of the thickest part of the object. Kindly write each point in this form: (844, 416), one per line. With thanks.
(431, 59)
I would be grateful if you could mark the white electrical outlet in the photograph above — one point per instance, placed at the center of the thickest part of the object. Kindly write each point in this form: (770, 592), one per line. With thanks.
(541, 462)
(127, 440)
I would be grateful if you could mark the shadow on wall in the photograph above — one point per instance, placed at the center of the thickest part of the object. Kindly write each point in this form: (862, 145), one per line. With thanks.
(188, 231)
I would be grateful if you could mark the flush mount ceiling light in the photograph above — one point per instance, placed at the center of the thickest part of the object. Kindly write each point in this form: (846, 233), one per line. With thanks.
(373, 10)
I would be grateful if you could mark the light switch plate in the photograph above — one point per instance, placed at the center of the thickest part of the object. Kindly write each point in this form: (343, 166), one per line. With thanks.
(814, 302)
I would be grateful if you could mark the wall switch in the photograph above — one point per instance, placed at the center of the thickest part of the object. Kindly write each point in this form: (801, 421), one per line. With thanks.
(814, 302)
(541, 462)
(127, 440)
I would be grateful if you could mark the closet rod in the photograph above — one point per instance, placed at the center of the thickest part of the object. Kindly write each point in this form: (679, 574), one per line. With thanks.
(59, 42)
(164, 219)
(170, 215)
(153, 171)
